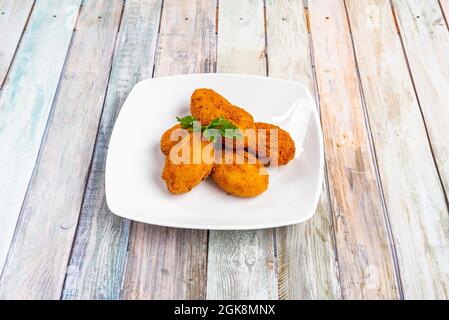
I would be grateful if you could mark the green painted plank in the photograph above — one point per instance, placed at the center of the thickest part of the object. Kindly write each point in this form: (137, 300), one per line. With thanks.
(26, 102)
(39, 254)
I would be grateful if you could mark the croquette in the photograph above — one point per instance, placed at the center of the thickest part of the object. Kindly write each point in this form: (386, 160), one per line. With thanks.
(239, 172)
(207, 105)
(285, 149)
(183, 176)
(248, 179)
(167, 143)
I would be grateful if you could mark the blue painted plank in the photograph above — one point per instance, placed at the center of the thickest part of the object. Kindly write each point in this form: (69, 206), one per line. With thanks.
(37, 262)
(99, 253)
(26, 102)
(13, 18)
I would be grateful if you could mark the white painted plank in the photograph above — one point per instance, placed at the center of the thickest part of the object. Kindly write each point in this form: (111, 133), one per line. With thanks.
(241, 264)
(169, 263)
(365, 260)
(445, 8)
(99, 252)
(241, 37)
(307, 266)
(413, 193)
(26, 102)
(288, 45)
(426, 42)
(13, 18)
(39, 254)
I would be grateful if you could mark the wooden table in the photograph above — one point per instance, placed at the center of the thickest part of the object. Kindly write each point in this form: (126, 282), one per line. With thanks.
(380, 72)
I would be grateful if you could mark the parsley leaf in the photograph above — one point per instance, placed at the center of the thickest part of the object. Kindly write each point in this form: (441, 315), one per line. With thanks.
(186, 122)
(217, 126)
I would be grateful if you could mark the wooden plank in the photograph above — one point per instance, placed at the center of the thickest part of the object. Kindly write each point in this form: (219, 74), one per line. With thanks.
(426, 42)
(26, 102)
(99, 252)
(40, 251)
(364, 256)
(241, 37)
(169, 263)
(445, 8)
(241, 264)
(413, 193)
(13, 18)
(307, 266)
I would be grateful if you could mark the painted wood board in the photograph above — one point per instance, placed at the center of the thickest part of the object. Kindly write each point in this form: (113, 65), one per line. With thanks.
(306, 260)
(13, 18)
(26, 102)
(169, 263)
(99, 253)
(413, 193)
(365, 260)
(445, 8)
(241, 264)
(426, 43)
(241, 37)
(39, 255)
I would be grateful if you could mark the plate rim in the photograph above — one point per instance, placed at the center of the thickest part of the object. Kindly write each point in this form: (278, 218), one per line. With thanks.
(200, 226)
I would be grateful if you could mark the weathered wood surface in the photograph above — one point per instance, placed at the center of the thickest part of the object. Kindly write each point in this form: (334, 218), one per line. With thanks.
(39, 254)
(26, 102)
(365, 260)
(99, 253)
(241, 37)
(169, 263)
(413, 193)
(13, 18)
(381, 227)
(445, 8)
(426, 43)
(306, 260)
(241, 264)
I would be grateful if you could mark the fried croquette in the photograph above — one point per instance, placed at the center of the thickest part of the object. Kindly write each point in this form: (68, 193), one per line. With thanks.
(285, 147)
(207, 105)
(167, 143)
(239, 172)
(181, 174)
(245, 180)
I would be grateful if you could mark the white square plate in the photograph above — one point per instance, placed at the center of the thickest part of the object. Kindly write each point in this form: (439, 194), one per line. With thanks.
(135, 190)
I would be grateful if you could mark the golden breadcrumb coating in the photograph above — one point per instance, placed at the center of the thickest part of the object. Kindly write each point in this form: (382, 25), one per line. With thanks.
(207, 105)
(247, 179)
(183, 177)
(241, 180)
(285, 148)
(166, 143)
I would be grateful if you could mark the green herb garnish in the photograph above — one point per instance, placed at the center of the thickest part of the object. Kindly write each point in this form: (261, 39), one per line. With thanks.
(226, 128)
(186, 122)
